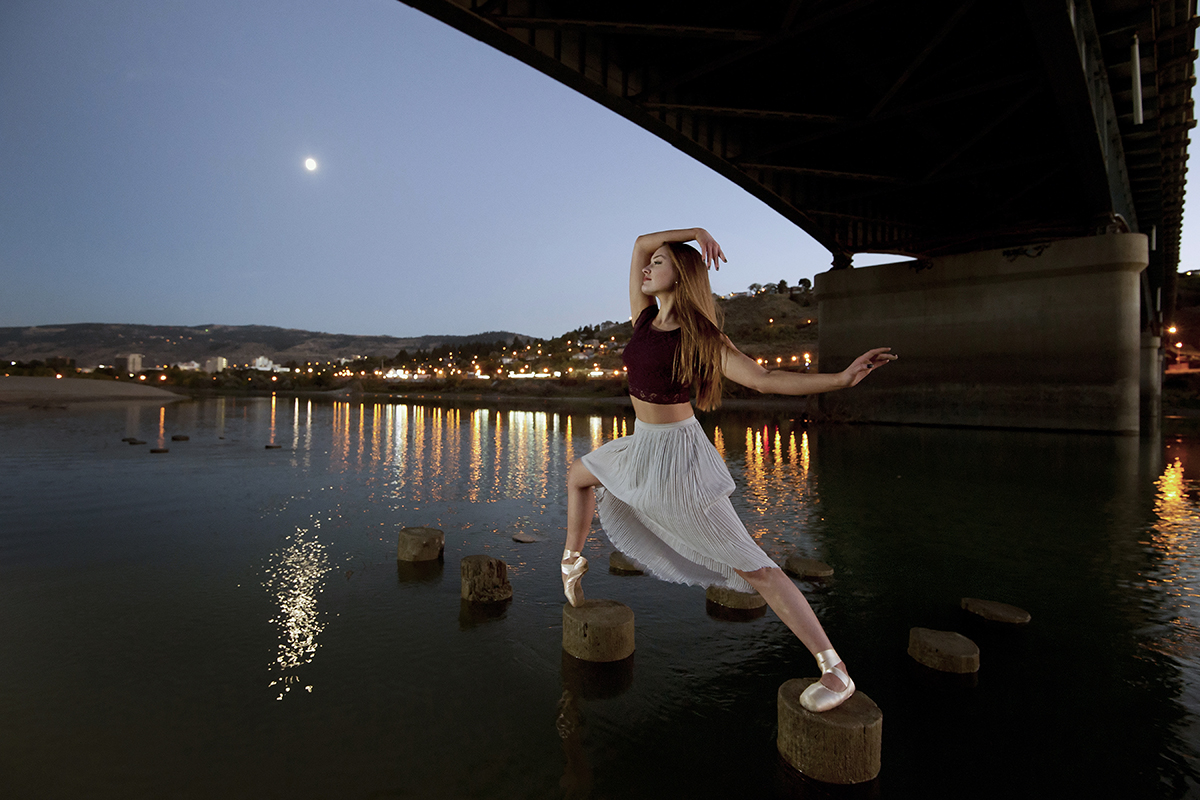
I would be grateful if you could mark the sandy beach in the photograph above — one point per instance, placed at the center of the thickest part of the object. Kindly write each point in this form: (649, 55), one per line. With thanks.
(23, 391)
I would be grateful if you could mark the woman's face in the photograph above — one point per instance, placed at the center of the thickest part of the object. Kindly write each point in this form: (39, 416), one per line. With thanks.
(659, 275)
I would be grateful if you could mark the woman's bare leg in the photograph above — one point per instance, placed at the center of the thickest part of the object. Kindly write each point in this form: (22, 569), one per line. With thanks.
(789, 603)
(581, 503)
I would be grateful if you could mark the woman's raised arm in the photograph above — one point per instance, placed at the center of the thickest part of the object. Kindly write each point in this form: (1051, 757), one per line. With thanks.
(644, 248)
(740, 368)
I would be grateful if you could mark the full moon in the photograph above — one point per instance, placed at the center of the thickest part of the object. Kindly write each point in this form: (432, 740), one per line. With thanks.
(310, 164)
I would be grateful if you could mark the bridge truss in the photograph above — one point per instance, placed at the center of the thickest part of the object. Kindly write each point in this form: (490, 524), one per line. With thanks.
(881, 126)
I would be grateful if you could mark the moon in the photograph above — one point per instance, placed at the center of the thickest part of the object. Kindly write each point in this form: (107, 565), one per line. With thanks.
(310, 164)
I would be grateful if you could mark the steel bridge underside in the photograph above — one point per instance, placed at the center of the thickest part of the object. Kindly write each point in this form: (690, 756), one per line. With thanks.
(877, 126)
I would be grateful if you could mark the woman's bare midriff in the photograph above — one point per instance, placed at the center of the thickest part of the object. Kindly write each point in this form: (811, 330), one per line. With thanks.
(657, 414)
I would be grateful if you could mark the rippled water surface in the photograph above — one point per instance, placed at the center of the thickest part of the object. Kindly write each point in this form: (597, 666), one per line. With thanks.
(230, 620)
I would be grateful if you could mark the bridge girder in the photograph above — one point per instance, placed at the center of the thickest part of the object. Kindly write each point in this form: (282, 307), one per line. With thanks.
(880, 126)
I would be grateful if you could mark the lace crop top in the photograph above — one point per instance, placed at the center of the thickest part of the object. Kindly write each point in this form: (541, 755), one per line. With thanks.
(650, 362)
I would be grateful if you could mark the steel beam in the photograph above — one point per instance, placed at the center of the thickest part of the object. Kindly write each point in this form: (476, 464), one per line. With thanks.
(1070, 47)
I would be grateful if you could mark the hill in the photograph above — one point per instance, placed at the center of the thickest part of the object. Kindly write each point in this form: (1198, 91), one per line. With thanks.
(765, 325)
(96, 343)
(771, 325)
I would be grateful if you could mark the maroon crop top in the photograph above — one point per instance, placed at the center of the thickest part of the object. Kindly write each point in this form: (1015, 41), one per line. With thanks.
(650, 362)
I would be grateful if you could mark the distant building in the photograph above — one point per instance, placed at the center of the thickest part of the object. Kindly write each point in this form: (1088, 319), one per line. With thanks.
(187, 366)
(264, 364)
(129, 362)
(215, 364)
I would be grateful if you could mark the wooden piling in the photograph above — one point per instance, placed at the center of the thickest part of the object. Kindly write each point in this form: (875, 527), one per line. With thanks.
(945, 651)
(485, 580)
(802, 567)
(842, 745)
(598, 630)
(420, 544)
(621, 564)
(996, 611)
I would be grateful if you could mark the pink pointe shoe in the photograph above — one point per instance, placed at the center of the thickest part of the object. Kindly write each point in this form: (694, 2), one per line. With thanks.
(572, 572)
(819, 697)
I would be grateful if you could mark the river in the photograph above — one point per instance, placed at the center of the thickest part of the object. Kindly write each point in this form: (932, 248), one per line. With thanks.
(230, 620)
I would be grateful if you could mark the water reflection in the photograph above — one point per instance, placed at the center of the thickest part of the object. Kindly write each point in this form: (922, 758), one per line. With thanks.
(294, 578)
(1176, 575)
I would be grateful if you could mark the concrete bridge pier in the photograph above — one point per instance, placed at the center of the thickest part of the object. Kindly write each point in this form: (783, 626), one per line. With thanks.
(1045, 335)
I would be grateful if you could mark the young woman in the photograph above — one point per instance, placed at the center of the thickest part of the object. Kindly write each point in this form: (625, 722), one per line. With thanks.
(663, 492)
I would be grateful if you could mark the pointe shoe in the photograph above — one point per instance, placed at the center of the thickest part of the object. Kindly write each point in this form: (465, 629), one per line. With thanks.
(819, 697)
(571, 574)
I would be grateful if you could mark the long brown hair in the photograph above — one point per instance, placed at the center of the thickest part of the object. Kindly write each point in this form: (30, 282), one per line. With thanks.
(702, 344)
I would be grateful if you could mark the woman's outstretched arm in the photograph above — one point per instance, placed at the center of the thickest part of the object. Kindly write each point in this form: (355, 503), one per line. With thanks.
(740, 368)
(644, 248)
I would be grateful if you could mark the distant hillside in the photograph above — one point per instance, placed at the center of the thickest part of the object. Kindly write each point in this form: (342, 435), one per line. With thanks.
(771, 324)
(763, 325)
(94, 343)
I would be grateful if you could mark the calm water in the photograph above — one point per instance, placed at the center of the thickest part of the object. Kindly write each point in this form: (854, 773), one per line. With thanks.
(227, 620)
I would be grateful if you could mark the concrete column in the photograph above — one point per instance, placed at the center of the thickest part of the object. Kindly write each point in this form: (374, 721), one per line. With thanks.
(1040, 336)
(1151, 379)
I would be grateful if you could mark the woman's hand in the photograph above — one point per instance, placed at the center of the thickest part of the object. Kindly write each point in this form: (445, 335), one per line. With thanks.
(709, 249)
(864, 364)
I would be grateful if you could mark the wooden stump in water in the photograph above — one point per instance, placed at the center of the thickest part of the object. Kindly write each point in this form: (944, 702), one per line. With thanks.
(996, 611)
(731, 598)
(946, 651)
(803, 567)
(843, 745)
(485, 580)
(621, 564)
(732, 605)
(420, 544)
(598, 630)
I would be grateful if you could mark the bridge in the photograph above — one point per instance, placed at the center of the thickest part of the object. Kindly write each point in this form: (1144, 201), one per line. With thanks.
(1031, 156)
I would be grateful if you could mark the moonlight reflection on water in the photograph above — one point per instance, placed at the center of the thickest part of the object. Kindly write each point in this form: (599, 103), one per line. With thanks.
(295, 577)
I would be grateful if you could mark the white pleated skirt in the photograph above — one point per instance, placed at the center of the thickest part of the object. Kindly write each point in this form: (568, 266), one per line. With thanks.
(664, 502)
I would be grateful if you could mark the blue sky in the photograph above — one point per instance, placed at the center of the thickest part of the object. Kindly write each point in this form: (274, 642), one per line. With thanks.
(152, 164)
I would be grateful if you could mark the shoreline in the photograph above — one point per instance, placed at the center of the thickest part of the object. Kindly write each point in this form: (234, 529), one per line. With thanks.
(61, 393)
(65, 393)
(20, 390)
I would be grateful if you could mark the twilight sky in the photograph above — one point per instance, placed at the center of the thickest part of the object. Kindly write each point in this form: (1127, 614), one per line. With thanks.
(152, 171)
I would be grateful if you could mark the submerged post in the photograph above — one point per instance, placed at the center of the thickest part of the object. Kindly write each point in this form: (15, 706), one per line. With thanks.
(485, 580)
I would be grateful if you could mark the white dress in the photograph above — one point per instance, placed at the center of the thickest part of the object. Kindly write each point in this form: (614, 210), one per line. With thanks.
(664, 502)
